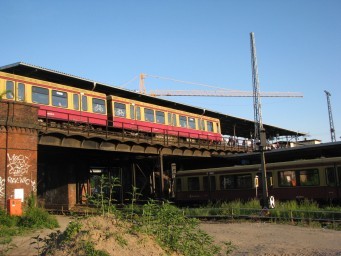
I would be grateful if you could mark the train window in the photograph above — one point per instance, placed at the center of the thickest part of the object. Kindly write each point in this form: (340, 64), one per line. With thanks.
(171, 119)
(183, 121)
(218, 128)
(59, 99)
(178, 185)
(138, 113)
(209, 186)
(201, 125)
(40, 95)
(76, 102)
(193, 183)
(209, 126)
(148, 115)
(21, 92)
(132, 112)
(120, 109)
(287, 179)
(160, 117)
(237, 181)
(98, 106)
(191, 123)
(309, 177)
(84, 103)
(10, 90)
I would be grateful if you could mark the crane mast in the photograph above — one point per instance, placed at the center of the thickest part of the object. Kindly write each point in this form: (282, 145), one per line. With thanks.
(331, 123)
(256, 94)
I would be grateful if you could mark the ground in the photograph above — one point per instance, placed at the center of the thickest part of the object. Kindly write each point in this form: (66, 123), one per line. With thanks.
(248, 238)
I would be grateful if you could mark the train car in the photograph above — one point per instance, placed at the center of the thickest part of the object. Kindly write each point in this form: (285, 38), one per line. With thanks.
(56, 101)
(154, 119)
(314, 179)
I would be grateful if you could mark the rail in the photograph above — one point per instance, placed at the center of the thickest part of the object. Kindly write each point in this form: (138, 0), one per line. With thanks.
(129, 131)
(292, 216)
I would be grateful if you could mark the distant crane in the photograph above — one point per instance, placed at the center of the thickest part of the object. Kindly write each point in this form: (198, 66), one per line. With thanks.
(331, 123)
(218, 92)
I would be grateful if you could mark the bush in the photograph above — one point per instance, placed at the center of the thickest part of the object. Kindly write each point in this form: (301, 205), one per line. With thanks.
(38, 218)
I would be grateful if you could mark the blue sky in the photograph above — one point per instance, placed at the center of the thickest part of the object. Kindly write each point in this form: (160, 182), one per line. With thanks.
(298, 50)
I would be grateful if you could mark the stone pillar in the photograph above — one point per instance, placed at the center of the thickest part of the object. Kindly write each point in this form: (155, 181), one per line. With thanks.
(18, 150)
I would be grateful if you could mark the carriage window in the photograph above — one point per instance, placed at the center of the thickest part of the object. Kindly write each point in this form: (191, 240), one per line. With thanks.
(183, 121)
(120, 109)
(236, 181)
(191, 123)
(84, 103)
(218, 128)
(201, 125)
(59, 99)
(76, 102)
(21, 92)
(98, 106)
(171, 119)
(160, 117)
(138, 113)
(149, 115)
(178, 185)
(209, 186)
(10, 90)
(287, 179)
(209, 126)
(309, 177)
(193, 183)
(40, 95)
(132, 112)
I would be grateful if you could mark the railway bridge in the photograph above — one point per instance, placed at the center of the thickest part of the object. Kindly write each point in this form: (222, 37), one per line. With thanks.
(62, 163)
(58, 161)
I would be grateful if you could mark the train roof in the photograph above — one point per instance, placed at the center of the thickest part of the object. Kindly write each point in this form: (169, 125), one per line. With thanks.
(229, 124)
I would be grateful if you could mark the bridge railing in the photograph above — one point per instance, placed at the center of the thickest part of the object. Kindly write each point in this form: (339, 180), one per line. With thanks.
(130, 131)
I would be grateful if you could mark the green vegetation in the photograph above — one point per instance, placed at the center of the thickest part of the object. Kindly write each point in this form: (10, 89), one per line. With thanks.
(33, 218)
(304, 212)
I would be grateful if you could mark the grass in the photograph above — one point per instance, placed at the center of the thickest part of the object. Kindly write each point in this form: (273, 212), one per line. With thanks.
(33, 218)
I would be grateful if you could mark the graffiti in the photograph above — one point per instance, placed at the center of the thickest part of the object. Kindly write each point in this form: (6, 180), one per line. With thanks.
(34, 185)
(17, 164)
(19, 180)
(17, 168)
(2, 187)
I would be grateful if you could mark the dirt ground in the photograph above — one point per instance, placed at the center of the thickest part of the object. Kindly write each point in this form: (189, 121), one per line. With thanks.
(247, 238)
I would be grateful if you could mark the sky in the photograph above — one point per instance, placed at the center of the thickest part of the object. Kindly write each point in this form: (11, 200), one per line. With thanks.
(298, 47)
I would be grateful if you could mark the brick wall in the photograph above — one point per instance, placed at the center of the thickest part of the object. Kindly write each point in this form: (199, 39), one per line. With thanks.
(18, 150)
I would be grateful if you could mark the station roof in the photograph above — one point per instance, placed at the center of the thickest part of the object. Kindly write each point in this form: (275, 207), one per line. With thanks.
(230, 125)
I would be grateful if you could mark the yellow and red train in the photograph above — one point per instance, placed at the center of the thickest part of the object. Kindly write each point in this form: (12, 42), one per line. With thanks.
(315, 179)
(65, 103)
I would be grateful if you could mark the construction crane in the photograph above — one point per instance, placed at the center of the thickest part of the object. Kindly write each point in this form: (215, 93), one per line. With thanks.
(217, 92)
(331, 123)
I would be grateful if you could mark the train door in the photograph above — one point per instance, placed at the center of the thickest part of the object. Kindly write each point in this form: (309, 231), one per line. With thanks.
(15, 91)
(333, 176)
(209, 185)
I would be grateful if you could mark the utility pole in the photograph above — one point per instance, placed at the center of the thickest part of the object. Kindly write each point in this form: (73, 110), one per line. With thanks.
(331, 123)
(260, 135)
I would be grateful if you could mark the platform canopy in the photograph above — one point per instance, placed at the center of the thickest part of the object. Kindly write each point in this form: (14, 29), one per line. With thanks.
(230, 125)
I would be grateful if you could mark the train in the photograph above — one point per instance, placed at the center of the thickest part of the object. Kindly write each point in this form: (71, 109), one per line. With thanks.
(306, 179)
(68, 104)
